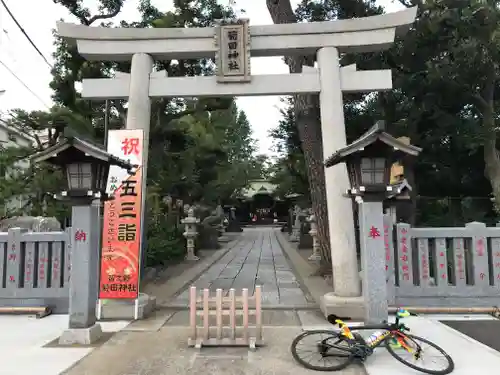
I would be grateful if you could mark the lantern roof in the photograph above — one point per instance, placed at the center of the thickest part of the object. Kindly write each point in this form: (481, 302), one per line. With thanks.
(59, 153)
(399, 187)
(374, 135)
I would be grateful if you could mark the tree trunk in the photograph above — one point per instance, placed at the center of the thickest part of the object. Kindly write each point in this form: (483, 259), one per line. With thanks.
(307, 117)
(306, 108)
(491, 158)
(486, 105)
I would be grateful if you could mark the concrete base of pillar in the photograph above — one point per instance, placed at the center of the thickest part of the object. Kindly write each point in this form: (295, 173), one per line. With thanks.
(125, 309)
(81, 336)
(352, 307)
(223, 239)
(190, 256)
(314, 258)
(234, 227)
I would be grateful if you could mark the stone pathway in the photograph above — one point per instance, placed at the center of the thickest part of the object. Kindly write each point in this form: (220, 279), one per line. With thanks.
(165, 352)
(257, 259)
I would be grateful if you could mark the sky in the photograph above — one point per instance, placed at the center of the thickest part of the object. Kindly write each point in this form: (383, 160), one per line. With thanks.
(39, 17)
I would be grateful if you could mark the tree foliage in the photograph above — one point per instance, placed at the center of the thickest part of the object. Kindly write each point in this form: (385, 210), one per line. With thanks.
(26, 188)
(289, 171)
(200, 149)
(445, 73)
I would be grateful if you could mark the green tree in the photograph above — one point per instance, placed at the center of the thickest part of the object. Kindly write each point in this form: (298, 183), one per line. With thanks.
(306, 107)
(25, 188)
(442, 80)
(46, 127)
(441, 68)
(289, 172)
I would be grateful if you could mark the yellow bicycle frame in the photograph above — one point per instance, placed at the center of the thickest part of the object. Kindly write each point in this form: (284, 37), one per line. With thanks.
(345, 329)
(400, 337)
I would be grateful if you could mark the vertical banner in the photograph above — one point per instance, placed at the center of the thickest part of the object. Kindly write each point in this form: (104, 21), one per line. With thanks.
(121, 248)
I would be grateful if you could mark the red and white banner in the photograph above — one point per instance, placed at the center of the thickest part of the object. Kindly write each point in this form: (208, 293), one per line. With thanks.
(121, 247)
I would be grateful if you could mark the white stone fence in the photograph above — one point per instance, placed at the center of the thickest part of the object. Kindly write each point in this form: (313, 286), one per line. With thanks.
(442, 266)
(35, 269)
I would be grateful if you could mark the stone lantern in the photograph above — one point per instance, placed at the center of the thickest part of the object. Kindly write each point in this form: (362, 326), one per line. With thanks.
(369, 160)
(86, 167)
(168, 201)
(315, 256)
(233, 224)
(190, 233)
(295, 235)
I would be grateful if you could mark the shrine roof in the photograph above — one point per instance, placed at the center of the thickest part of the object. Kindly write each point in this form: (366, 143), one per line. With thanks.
(258, 187)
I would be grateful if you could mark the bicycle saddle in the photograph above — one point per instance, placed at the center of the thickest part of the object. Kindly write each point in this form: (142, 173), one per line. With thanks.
(332, 318)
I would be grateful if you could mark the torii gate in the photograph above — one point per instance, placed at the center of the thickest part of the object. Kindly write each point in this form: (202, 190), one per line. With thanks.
(325, 39)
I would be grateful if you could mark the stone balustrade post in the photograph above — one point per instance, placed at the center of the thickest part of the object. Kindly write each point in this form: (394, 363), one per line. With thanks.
(373, 261)
(190, 233)
(84, 282)
(295, 236)
(315, 256)
(233, 225)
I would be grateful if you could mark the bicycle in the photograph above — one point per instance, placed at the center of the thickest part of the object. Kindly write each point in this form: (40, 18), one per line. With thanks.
(357, 349)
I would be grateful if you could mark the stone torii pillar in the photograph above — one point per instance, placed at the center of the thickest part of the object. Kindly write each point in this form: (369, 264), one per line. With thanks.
(139, 117)
(346, 283)
(327, 39)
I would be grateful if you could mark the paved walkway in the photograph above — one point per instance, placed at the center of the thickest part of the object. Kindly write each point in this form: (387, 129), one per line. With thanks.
(257, 259)
(26, 344)
(164, 351)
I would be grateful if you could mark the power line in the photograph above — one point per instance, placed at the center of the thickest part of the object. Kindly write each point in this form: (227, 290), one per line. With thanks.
(25, 34)
(22, 83)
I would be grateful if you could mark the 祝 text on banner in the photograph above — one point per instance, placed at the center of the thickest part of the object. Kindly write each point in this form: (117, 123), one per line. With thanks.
(120, 257)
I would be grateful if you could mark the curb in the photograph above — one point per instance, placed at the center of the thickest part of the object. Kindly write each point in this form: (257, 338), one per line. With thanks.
(315, 288)
(295, 264)
(181, 282)
(214, 258)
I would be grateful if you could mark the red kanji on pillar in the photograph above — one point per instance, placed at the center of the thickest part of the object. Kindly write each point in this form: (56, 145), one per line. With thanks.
(80, 235)
(374, 232)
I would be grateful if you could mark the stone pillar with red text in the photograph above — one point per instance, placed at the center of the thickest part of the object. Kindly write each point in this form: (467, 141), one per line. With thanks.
(84, 283)
(389, 259)
(373, 262)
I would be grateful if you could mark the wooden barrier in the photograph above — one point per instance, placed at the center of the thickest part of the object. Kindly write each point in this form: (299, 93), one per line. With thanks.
(223, 331)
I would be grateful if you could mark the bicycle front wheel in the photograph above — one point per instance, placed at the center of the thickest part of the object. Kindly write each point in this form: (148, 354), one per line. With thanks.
(431, 360)
(322, 350)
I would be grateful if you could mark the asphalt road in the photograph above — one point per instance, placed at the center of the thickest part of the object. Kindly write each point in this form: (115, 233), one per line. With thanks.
(484, 331)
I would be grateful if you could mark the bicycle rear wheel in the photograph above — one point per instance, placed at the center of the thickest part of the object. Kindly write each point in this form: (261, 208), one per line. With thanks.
(322, 350)
(428, 357)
